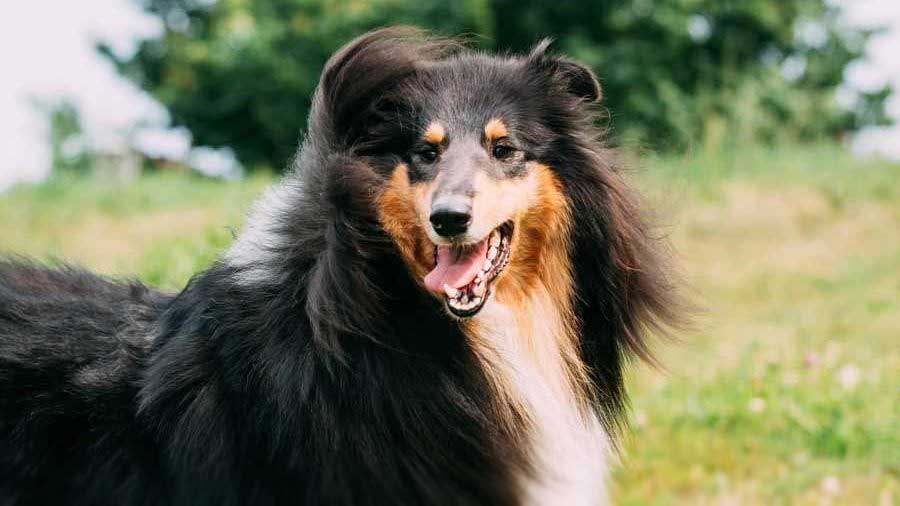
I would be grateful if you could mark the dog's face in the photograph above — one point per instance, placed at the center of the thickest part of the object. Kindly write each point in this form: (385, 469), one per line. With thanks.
(474, 207)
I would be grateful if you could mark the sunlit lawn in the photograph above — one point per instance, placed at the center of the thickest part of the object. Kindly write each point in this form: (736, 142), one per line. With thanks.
(788, 390)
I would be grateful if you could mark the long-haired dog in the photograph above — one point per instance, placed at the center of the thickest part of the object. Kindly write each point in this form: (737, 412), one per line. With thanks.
(433, 307)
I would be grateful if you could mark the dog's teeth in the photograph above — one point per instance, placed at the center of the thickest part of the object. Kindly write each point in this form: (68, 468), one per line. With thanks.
(479, 289)
(450, 291)
(495, 239)
(476, 301)
(492, 253)
(486, 266)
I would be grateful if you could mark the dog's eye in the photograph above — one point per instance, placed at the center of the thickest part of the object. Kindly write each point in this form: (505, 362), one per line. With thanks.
(428, 155)
(502, 151)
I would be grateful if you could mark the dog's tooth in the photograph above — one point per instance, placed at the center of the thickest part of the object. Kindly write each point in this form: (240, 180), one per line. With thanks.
(479, 289)
(492, 253)
(450, 291)
(495, 239)
(486, 266)
(476, 301)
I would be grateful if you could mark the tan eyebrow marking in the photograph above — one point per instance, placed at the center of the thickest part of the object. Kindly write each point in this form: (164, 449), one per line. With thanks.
(495, 129)
(435, 133)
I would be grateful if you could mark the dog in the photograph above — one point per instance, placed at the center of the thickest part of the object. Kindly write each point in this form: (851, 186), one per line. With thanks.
(434, 306)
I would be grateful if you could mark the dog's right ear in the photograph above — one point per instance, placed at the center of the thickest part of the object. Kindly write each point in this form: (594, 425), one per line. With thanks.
(363, 73)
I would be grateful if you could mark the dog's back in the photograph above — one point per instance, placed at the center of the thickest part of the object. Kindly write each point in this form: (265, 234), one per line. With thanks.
(71, 344)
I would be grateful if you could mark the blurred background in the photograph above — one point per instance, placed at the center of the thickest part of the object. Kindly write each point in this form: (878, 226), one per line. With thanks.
(135, 133)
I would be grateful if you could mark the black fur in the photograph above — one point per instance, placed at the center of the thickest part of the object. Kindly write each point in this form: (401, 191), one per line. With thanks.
(334, 379)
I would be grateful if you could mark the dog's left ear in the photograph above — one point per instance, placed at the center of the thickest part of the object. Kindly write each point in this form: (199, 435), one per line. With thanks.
(576, 78)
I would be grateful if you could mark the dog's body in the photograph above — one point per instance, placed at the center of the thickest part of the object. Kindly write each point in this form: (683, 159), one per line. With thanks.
(309, 365)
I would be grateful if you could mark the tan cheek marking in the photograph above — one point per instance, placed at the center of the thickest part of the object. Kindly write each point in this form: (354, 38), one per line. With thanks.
(435, 133)
(396, 208)
(548, 224)
(495, 129)
(540, 244)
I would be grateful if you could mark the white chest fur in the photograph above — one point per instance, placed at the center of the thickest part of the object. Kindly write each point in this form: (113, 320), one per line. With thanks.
(570, 447)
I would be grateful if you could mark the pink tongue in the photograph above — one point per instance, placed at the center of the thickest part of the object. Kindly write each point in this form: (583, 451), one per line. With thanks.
(455, 270)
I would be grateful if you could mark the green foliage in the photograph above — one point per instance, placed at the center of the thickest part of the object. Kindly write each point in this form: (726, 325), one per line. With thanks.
(240, 73)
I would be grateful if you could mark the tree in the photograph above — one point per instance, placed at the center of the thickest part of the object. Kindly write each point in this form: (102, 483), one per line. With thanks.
(240, 73)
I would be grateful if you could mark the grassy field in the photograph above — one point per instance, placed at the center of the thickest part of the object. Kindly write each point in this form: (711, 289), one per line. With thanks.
(787, 391)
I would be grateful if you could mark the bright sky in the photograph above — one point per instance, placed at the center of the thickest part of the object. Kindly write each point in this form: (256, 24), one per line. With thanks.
(47, 52)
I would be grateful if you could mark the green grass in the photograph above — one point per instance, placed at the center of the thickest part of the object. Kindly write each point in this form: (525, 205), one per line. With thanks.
(786, 393)
(162, 228)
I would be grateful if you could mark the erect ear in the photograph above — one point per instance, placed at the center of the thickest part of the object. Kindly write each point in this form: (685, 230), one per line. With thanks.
(576, 78)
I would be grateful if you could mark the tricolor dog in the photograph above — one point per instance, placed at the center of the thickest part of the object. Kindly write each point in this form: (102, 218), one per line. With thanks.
(433, 307)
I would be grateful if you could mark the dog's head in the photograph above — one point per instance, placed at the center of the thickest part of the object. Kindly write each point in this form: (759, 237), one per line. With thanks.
(465, 144)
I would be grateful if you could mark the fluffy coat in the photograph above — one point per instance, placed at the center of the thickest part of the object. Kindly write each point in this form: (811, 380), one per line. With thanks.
(307, 365)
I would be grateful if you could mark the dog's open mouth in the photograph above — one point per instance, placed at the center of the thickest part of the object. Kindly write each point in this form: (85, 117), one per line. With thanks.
(464, 273)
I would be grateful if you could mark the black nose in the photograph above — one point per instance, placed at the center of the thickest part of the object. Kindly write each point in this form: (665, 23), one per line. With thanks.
(451, 217)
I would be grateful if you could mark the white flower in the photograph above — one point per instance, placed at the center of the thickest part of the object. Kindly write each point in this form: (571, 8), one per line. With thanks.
(848, 376)
(830, 485)
(812, 360)
(757, 405)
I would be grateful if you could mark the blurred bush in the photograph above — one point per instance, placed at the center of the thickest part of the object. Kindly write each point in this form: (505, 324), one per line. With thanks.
(240, 73)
